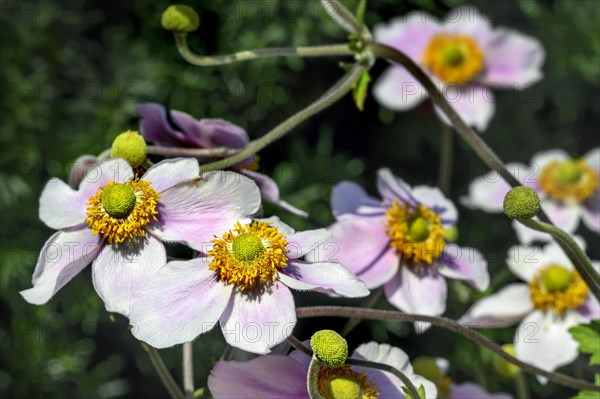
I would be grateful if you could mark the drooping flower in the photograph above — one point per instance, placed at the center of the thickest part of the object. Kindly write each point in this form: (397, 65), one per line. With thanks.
(244, 283)
(117, 222)
(285, 377)
(207, 133)
(436, 371)
(400, 242)
(463, 55)
(553, 299)
(568, 187)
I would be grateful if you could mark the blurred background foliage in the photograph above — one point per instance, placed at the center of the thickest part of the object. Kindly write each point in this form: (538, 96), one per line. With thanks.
(72, 72)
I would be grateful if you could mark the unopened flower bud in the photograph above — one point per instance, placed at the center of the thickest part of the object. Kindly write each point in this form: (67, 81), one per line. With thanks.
(329, 347)
(131, 147)
(521, 203)
(504, 368)
(427, 367)
(180, 18)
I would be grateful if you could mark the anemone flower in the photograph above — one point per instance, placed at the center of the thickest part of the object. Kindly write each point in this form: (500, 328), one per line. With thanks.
(553, 299)
(568, 188)
(285, 377)
(464, 57)
(244, 283)
(117, 222)
(401, 242)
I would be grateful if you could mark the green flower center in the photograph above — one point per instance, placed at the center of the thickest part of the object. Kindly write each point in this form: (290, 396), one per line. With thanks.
(118, 200)
(557, 278)
(568, 173)
(329, 347)
(452, 55)
(246, 247)
(344, 388)
(419, 229)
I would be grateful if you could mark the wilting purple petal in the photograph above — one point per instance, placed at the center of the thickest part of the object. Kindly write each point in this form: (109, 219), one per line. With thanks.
(469, 390)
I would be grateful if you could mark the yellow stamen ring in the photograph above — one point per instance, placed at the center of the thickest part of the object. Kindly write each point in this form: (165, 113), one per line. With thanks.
(417, 235)
(120, 212)
(345, 383)
(249, 256)
(547, 293)
(571, 180)
(453, 58)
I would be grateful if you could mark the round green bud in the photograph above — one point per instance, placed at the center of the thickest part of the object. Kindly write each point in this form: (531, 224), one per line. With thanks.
(568, 173)
(246, 247)
(118, 200)
(556, 278)
(180, 18)
(131, 147)
(427, 367)
(329, 347)
(504, 368)
(419, 229)
(451, 234)
(344, 388)
(521, 203)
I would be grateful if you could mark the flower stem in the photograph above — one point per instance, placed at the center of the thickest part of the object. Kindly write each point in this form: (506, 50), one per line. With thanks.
(330, 50)
(331, 96)
(342, 16)
(521, 386)
(451, 325)
(583, 264)
(188, 369)
(297, 344)
(163, 373)
(446, 157)
(369, 303)
(218, 152)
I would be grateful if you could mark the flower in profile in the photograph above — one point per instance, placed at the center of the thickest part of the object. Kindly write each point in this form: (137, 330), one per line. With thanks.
(118, 222)
(463, 55)
(552, 299)
(283, 377)
(436, 371)
(207, 133)
(569, 189)
(244, 283)
(402, 242)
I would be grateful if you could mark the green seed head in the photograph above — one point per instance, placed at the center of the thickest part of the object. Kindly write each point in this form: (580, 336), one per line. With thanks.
(180, 18)
(452, 55)
(246, 247)
(556, 278)
(329, 347)
(118, 200)
(131, 147)
(419, 229)
(521, 203)
(568, 173)
(428, 368)
(343, 388)
(504, 368)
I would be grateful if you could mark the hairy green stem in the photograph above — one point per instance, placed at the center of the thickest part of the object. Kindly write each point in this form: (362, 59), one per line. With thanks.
(330, 97)
(369, 303)
(451, 325)
(217, 152)
(330, 50)
(521, 386)
(446, 157)
(342, 16)
(188, 369)
(163, 373)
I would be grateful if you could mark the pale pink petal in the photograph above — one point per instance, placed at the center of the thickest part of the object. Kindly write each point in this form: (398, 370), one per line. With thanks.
(256, 323)
(592, 158)
(281, 227)
(302, 242)
(361, 245)
(423, 294)
(182, 301)
(392, 188)
(468, 390)
(63, 256)
(526, 261)
(120, 270)
(465, 263)
(117, 170)
(553, 253)
(349, 197)
(398, 90)
(504, 308)
(170, 172)
(324, 277)
(475, 104)
(80, 168)
(513, 60)
(434, 199)
(543, 340)
(268, 377)
(563, 215)
(61, 206)
(590, 213)
(193, 213)
(410, 33)
(541, 159)
(467, 20)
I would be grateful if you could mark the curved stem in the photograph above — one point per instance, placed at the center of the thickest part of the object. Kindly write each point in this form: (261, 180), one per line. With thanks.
(372, 314)
(218, 152)
(446, 156)
(521, 386)
(188, 369)
(331, 96)
(589, 274)
(247, 55)
(363, 363)
(369, 303)
(163, 373)
(341, 15)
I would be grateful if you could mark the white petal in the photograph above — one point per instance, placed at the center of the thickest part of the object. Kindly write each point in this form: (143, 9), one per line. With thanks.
(420, 294)
(398, 90)
(504, 308)
(302, 242)
(61, 206)
(170, 172)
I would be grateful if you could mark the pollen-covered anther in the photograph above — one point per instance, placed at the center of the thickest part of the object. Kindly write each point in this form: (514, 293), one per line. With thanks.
(249, 256)
(121, 211)
(558, 289)
(571, 180)
(417, 234)
(453, 58)
(345, 383)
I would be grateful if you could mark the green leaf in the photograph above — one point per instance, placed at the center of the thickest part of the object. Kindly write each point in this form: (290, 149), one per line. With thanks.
(588, 338)
(421, 391)
(586, 395)
(359, 90)
(597, 379)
